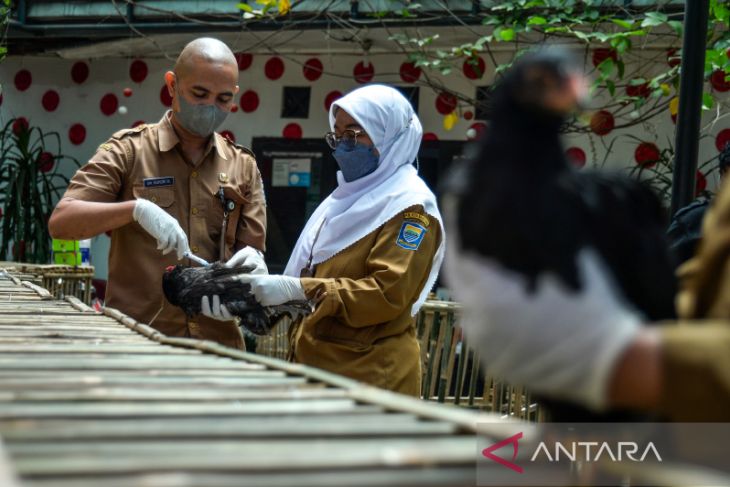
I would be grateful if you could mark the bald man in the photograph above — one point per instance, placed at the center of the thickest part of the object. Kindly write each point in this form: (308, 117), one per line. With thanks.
(157, 188)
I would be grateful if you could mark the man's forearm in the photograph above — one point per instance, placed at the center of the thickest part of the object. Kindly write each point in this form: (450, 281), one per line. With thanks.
(76, 219)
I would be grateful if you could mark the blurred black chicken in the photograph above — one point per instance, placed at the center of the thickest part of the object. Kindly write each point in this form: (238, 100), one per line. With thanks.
(523, 204)
(185, 287)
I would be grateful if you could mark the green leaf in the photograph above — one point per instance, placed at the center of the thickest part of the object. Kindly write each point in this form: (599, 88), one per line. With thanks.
(707, 101)
(507, 34)
(623, 23)
(653, 19)
(611, 87)
(245, 7)
(536, 20)
(677, 26)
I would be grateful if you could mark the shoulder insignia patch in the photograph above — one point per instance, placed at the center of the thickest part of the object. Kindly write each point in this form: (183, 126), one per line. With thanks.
(410, 215)
(124, 132)
(411, 235)
(106, 146)
(239, 147)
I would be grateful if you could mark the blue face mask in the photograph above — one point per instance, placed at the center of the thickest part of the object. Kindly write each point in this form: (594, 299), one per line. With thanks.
(356, 162)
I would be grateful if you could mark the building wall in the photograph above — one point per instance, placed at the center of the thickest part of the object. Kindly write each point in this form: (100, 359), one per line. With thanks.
(80, 104)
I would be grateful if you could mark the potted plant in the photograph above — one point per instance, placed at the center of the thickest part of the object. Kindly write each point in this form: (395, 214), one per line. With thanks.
(30, 185)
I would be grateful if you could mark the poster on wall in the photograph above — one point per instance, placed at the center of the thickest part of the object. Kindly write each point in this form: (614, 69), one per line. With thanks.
(292, 172)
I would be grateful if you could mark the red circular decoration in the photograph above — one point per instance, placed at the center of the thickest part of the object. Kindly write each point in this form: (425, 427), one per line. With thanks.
(468, 115)
(446, 103)
(23, 79)
(674, 118)
(331, 97)
(602, 122)
(274, 68)
(719, 82)
(138, 70)
(312, 69)
(576, 156)
(409, 73)
(165, 97)
(77, 134)
(249, 101)
(647, 154)
(109, 104)
(673, 58)
(641, 90)
(362, 73)
(228, 135)
(45, 161)
(700, 183)
(292, 131)
(50, 100)
(471, 71)
(479, 128)
(244, 60)
(79, 72)
(127, 92)
(601, 54)
(138, 123)
(234, 108)
(430, 136)
(722, 139)
(20, 125)
(1, 99)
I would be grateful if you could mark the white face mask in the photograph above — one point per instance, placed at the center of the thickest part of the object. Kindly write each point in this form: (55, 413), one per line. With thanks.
(202, 120)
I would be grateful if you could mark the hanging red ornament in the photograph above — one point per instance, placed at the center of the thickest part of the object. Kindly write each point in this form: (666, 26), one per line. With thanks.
(313, 69)
(476, 130)
(647, 154)
(127, 92)
(409, 73)
(363, 73)
(722, 139)
(274, 68)
(138, 70)
(77, 134)
(20, 125)
(468, 115)
(244, 60)
(641, 90)
(719, 82)
(446, 103)
(165, 97)
(79, 72)
(292, 131)
(228, 135)
(601, 54)
(430, 136)
(473, 68)
(700, 183)
(45, 161)
(249, 101)
(576, 156)
(50, 100)
(109, 104)
(673, 58)
(602, 122)
(331, 97)
(23, 80)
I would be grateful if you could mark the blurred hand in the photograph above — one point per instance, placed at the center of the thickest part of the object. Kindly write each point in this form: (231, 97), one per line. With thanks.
(212, 308)
(163, 227)
(273, 290)
(249, 256)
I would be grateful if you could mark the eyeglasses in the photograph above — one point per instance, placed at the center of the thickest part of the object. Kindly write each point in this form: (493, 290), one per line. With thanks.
(348, 137)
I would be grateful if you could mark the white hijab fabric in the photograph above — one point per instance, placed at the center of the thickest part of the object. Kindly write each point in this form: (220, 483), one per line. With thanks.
(358, 208)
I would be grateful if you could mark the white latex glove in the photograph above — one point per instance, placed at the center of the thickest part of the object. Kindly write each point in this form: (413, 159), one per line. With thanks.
(163, 227)
(555, 341)
(270, 290)
(217, 311)
(249, 256)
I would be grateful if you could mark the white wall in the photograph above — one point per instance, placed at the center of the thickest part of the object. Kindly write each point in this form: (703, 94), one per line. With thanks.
(80, 104)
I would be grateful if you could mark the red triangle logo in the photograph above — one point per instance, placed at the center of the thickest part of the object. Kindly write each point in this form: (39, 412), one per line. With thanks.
(513, 440)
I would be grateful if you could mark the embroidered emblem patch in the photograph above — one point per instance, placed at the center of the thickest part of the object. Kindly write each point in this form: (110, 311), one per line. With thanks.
(410, 235)
(156, 182)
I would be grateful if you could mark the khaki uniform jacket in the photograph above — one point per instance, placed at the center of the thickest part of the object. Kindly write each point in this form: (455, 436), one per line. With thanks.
(697, 353)
(362, 326)
(146, 162)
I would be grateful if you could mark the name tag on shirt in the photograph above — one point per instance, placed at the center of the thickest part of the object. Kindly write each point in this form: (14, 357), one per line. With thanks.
(156, 182)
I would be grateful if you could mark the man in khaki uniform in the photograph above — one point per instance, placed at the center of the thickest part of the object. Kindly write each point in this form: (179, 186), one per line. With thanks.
(370, 253)
(157, 188)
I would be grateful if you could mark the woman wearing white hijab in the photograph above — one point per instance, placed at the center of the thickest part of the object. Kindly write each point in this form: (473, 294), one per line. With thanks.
(371, 251)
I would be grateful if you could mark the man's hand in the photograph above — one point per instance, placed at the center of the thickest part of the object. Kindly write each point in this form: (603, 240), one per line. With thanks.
(212, 308)
(163, 227)
(274, 290)
(249, 256)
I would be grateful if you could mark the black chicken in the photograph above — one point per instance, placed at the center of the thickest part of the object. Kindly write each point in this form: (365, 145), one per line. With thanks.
(522, 204)
(185, 287)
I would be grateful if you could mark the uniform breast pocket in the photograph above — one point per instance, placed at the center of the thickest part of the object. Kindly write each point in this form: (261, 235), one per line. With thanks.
(162, 197)
(234, 201)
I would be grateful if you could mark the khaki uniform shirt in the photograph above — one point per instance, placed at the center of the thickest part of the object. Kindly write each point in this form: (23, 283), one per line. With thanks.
(146, 162)
(696, 354)
(362, 326)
